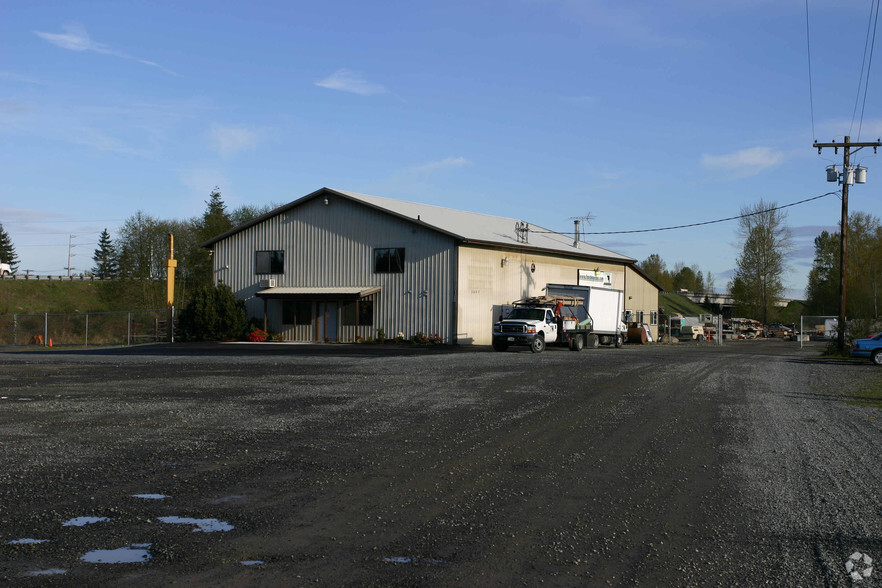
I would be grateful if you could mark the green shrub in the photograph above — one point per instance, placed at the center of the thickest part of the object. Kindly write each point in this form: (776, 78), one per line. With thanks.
(213, 314)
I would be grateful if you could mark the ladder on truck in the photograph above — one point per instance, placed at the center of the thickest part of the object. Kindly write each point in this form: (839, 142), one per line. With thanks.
(551, 301)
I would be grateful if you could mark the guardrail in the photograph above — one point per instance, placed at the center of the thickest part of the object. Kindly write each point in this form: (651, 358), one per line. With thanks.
(83, 329)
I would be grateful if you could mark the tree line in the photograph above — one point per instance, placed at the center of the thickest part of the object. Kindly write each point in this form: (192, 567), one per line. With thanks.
(140, 249)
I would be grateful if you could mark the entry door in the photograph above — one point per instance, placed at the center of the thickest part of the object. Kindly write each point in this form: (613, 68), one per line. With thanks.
(327, 320)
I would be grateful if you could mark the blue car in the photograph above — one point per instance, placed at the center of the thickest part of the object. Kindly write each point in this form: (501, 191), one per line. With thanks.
(871, 348)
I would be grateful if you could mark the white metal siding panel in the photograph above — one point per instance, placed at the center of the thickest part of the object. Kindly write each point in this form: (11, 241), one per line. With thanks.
(332, 245)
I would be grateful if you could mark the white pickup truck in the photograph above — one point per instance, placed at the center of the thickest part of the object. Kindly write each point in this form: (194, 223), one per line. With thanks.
(575, 316)
(5, 270)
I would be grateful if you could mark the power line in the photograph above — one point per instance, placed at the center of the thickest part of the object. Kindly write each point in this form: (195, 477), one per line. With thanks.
(869, 64)
(720, 220)
(809, 50)
(40, 222)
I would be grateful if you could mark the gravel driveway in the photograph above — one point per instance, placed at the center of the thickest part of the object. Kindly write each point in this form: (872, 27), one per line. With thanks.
(271, 465)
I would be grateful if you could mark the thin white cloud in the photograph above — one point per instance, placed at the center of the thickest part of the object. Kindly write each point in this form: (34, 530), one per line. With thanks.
(446, 163)
(347, 80)
(12, 107)
(744, 163)
(75, 38)
(12, 76)
(25, 215)
(229, 140)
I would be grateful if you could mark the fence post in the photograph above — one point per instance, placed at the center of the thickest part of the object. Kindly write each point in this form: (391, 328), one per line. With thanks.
(129, 329)
(15, 329)
(45, 329)
(87, 331)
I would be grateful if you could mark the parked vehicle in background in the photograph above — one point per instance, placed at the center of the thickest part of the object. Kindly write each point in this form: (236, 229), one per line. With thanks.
(870, 347)
(5, 270)
(692, 332)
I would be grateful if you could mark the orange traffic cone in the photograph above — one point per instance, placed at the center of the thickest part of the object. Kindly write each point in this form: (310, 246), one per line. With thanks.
(50, 341)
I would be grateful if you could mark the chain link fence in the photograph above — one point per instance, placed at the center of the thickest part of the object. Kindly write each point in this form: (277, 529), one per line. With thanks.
(85, 329)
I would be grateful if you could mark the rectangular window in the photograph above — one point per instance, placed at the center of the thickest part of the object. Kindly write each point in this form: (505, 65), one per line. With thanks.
(270, 262)
(365, 308)
(639, 317)
(389, 261)
(296, 312)
(653, 317)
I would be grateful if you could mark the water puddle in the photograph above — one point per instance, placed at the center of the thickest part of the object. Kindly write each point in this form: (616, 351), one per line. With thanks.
(50, 572)
(151, 496)
(252, 562)
(229, 498)
(83, 521)
(202, 525)
(411, 560)
(26, 541)
(136, 553)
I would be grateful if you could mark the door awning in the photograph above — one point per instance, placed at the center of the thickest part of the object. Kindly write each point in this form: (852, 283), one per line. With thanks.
(326, 293)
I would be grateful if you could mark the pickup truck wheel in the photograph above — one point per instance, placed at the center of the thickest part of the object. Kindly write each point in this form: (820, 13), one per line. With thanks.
(499, 345)
(876, 357)
(593, 341)
(538, 344)
(576, 343)
(619, 341)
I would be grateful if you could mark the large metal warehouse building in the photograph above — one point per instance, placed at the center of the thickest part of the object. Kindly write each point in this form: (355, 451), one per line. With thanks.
(336, 265)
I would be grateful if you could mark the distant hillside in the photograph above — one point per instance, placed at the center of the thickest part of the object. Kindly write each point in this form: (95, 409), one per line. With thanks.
(39, 296)
(675, 303)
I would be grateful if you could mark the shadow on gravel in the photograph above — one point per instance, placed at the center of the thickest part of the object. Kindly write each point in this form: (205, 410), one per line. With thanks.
(253, 350)
(857, 361)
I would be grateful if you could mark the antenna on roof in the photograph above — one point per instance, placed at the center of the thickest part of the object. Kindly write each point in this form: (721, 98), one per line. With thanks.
(577, 221)
(522, 231)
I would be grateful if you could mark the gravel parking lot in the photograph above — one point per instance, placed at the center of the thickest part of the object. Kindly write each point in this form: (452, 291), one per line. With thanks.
(267, 465)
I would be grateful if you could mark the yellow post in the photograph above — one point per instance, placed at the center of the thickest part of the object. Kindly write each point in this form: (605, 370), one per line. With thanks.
(170, 287)
(170, 274)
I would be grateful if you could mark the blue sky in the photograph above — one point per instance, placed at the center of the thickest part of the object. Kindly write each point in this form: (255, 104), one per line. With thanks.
(643, 114)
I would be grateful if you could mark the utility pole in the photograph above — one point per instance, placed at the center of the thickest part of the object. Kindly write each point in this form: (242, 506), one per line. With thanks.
(846, 179)
(69, 254)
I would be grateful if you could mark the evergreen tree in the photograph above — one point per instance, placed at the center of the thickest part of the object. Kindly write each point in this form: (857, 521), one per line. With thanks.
(106, 263)
(214, 221)
(7, 250)
(213, 314)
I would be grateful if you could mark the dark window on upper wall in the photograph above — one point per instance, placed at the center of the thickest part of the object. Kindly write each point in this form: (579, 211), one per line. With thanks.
(389, 261)
(270, 262)
(365, 313)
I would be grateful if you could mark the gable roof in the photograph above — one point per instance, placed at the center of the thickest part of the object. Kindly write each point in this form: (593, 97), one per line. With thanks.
(467, 227)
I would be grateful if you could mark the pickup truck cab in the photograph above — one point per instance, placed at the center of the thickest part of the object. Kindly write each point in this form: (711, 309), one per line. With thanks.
(5, 270)
(530, 326)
